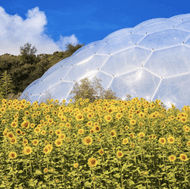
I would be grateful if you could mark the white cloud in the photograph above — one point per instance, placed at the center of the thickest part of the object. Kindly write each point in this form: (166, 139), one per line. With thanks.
(16, 31)
(64, 41)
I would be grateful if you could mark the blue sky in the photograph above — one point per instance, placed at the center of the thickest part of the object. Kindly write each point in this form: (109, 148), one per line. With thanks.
(81, 21)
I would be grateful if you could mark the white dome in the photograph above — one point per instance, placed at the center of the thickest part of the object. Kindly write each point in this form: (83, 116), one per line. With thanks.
(151, 60)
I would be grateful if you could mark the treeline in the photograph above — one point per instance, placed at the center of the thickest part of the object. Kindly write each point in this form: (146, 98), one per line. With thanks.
(17, 72)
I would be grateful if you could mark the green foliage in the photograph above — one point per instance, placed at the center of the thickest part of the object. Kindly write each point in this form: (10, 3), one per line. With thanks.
(6, 86)
(91, 90)
(28, 53)
(27, 67)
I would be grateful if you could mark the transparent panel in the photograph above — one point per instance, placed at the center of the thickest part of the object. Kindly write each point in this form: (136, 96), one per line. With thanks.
(118, 43)
(30, 98)
(60, 90)
(86, 52)
(180, 18)
(137, 84)
(66, 63)
(153, 27)
(170, 61)
(121, 32)
(188, 42)
(82, 69)
(164, 39)
(54, 77)
(175, 90)
(125, 61)
(105, 79)
(184, 26)
(32, 86)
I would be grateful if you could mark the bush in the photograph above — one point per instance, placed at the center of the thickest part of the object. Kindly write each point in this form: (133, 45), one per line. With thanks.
(92, 90)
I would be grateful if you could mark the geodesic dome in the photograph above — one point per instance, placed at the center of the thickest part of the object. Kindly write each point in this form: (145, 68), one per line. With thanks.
(151, 60)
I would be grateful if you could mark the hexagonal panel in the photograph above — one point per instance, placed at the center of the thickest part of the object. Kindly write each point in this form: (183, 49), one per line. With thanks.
(164, 39)
(175, 90)
(84, 68)
(169, 61)
(125, 61)
(138, 84)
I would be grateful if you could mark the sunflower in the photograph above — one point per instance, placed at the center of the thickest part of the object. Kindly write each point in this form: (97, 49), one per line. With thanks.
(58, 142)
(183, 157)
(68, 125)
(14, 124)
(188, 143)
(13, 140)
(171, 140)
(119, 154)
(79, 117)
(108, 118)
(43, 132)
(89, 123)
(75, 165)
(62, 136)
(5, 132)
(133, 122)
(125, 141)
(35, 142)
(141, 134)
(97, 128)
(186, 129)
(12, 155)
(126, 127)
(101, 151)
(58, 132)
(32, 125)
(92, 162)
(25, 124)
(141, 115)
(37, 130)
(27, 150)
(113, 133)
(10, 135)
(46, 150)
(172, 158)
(45, 170)
(183, 119)
(119, 116)
(90, 115)
(25, 141)
(81, 131)
(87, 140)
(18, 132)
(162, 141)
(132, 135)
(91, 130)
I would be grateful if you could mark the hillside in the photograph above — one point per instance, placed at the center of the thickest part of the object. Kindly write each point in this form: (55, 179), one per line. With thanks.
(25, 68)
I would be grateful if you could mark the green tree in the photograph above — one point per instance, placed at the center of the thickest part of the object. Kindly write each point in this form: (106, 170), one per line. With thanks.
(6, 86)
(27, 53)
(91, 90)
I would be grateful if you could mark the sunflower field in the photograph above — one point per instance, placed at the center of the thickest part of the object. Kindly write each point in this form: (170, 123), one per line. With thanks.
(111, 144)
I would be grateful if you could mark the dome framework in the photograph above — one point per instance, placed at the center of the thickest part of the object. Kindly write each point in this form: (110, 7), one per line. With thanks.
(151, 60)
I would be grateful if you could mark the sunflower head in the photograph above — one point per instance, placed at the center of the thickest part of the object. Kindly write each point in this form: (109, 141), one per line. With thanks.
(183, 157)
(27, 150)
(162, 141)
(12, 155)
(119, 154)
(87, 140)
(92, 162)
(172, 158)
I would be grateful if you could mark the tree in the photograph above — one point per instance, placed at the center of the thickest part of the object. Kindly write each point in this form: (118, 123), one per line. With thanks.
(6, 86)
(91, 90)
(27, 53)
